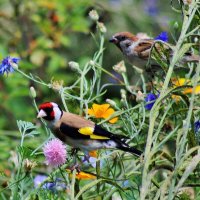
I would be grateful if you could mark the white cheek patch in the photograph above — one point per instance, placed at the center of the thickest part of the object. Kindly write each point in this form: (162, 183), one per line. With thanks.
(57, 114)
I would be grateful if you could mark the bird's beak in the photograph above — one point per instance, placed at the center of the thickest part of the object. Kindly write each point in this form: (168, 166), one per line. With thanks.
(41, 114)
(113, 40)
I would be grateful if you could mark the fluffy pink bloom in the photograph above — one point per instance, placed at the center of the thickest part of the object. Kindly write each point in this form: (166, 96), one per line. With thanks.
(55, 152)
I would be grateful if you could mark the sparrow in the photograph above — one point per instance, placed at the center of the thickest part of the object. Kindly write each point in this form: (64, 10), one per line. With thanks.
(137, 49)
(79, 132)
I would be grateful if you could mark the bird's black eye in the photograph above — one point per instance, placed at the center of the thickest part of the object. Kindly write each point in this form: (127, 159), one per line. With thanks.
(50, 113)
(123, 37)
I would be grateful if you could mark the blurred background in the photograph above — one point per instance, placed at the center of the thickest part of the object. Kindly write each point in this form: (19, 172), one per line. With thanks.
(47, 34)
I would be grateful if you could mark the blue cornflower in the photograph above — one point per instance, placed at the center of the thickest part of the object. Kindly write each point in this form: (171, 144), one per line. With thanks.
(150, 100)
(7, 63)
(39, 179)
(197, 126)
(54, 186)
(162, 36)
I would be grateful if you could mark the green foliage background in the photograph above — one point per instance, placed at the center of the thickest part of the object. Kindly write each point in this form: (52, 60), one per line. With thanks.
(46, 35)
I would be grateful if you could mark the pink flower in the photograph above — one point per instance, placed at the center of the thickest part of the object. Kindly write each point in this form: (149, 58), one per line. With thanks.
(55, 152)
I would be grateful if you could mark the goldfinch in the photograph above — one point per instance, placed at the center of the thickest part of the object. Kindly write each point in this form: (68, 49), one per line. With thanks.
(79, 132)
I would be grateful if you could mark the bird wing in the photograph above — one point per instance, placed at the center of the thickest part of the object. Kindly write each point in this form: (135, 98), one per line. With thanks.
(77, 127)
(87, 132)
(144, 47)
(99, 133)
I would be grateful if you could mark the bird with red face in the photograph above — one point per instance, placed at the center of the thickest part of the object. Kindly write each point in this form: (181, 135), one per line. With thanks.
(137, 49)
(79, 132)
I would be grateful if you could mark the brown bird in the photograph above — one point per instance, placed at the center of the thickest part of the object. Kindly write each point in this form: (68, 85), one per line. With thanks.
(137, 49)
(79, 132)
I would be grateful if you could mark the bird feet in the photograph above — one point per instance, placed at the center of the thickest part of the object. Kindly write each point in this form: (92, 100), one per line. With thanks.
(74, 151)
(75, 166)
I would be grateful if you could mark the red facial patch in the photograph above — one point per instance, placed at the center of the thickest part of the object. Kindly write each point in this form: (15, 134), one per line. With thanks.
(45, 105)
(52, 114)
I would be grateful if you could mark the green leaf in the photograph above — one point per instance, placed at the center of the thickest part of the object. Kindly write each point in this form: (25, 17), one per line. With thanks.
(25, 152)
(185, 48)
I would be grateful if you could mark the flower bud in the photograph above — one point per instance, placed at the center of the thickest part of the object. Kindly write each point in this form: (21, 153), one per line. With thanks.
(120, 67)
(94, 15)
(139, 97)
(74, 66)
(176, 25)
(123, 94)
(29, 165)
(57, 85)
(33, 92)
(196, 39)
(101, 27)
(111, 102)
(91, 62)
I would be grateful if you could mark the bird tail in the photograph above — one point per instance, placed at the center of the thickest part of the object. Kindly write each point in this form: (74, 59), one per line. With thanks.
(127, 148)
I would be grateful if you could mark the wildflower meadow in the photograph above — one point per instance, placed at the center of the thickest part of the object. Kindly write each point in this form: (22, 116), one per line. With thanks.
(59, 51)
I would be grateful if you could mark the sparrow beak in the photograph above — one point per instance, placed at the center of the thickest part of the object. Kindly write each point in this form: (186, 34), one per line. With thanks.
(113, 40)
(41, 114)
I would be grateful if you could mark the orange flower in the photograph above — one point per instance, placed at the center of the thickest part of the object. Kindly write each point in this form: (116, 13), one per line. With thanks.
(102, 111)
(189, 90)
(93, 154)
(82, 175)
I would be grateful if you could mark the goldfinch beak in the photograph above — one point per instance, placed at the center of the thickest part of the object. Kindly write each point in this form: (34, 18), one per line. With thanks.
(41, 114)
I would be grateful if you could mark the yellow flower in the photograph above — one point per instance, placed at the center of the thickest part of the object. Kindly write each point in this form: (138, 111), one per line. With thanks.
(82, 175)
(180, 82)
(183, 81)
(102, 111)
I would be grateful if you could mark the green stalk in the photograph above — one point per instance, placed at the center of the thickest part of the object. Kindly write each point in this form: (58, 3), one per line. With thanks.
(155, 110)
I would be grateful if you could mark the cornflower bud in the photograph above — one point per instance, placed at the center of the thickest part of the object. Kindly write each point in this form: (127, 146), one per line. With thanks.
(120, 67)
(94, 15)
(111, 102)
(57, 85)
(74, 66)
(139, 97)
(91, 62)
(176, 25)
(29, 165)
(33, 92)
(123, 94)
(101, 27)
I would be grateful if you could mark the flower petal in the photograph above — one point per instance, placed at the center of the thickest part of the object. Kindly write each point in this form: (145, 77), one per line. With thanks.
(189, 90)
(113, 120)
(93, 154)
(108, 113)
(91, 112)
(99, 110)
(84, 176)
